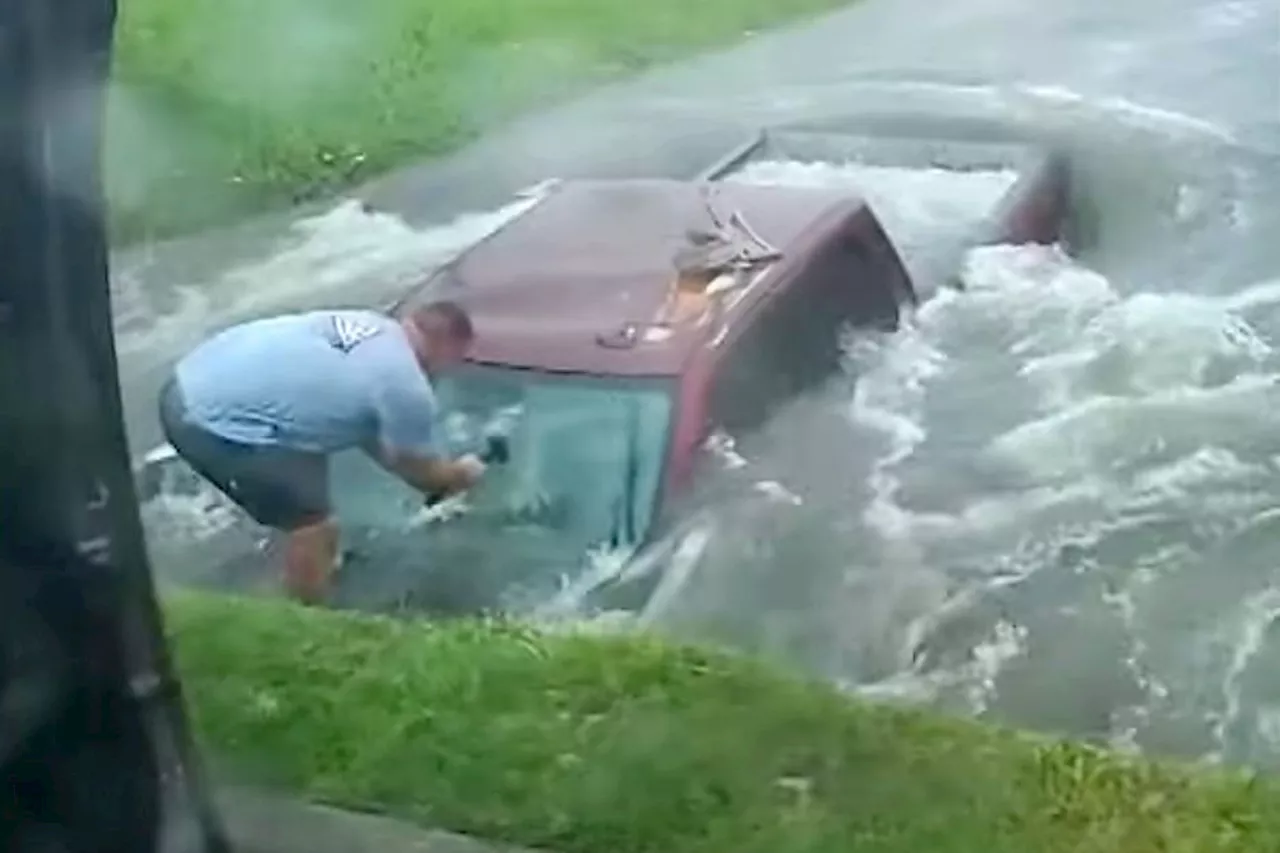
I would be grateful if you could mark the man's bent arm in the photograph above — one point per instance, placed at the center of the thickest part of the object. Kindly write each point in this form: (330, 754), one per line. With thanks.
(428, 474)
(404, 444)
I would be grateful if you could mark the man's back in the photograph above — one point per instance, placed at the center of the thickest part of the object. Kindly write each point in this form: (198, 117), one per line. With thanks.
(304, 381)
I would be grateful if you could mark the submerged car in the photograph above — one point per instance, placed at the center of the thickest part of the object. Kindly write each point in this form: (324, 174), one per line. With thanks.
(620, 323)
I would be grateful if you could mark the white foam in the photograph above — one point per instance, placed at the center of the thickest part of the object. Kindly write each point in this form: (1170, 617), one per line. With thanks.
(888, 400)
(346, 255)
(188, 519)
(603, 564)
(722, 446)
(914, 205)
(1085, 359)
(1115, 107)
(1249, 627)
(1088, 360)
(1206, 466)
(973, 682)
(1230, 15)
(350, 245)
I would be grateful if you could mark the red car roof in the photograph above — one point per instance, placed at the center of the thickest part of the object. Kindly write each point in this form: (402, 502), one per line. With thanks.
(594, 256)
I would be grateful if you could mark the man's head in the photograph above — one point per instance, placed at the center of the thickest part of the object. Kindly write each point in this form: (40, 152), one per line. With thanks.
(440, 333)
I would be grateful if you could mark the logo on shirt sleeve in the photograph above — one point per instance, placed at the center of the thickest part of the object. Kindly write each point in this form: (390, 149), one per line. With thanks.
(346, 332)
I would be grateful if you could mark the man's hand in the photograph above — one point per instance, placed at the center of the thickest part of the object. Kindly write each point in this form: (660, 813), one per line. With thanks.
(433, 476)
(464, 472)
(472, 468)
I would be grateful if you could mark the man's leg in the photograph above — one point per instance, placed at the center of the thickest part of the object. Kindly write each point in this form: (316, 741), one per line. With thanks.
(310, 559)
(289, 490)
(283, 489)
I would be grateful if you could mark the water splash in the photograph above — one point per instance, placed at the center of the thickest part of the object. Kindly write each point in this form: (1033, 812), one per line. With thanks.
(1023, 506)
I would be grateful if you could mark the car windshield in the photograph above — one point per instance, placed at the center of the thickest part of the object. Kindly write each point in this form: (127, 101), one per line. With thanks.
(586, 462)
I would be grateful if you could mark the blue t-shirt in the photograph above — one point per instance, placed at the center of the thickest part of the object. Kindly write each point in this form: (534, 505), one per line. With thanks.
(322, 381)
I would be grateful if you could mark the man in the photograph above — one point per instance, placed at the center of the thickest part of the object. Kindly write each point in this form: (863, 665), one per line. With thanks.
(258, 408)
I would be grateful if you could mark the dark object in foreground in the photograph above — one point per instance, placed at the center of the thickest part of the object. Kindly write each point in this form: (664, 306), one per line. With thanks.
(91, 718)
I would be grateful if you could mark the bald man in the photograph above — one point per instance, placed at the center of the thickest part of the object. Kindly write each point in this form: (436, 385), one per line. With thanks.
(259, 408)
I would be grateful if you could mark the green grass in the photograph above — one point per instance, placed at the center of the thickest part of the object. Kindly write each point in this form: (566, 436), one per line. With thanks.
(229, 106)
(599, 745)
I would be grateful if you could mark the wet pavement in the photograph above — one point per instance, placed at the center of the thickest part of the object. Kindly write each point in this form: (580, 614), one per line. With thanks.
(261, 822)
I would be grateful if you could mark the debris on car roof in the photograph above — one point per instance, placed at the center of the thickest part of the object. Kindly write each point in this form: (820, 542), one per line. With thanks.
(629, 277)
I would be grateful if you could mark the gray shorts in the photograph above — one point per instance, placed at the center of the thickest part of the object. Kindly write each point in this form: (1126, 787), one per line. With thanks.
(278, 487)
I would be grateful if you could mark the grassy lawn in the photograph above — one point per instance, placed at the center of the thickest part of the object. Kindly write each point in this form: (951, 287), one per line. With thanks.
(228, 106)
(596, 745)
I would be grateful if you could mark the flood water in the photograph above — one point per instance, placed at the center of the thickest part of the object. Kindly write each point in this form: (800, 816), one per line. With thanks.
(1053, 498)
